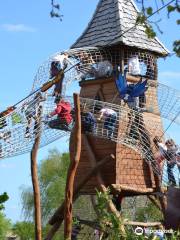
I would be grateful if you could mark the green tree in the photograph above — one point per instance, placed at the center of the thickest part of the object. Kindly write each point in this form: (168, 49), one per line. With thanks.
(52, 179)
(149, 213)
(3, 198)
(5, 226)
(149, 9)
(24, 230)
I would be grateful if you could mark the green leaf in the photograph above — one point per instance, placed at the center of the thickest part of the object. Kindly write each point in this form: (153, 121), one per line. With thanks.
(171, 8)
(150, 32)
(141, 19)
(52, 179)
(176, 47)
(149, 10)
(5, 226)
(178, 21)
(4, 197)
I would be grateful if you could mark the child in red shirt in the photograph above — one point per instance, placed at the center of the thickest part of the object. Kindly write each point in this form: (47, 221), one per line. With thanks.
(64, 118)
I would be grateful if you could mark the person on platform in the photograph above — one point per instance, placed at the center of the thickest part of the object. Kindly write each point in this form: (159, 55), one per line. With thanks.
(161, 154)
(64, 120)
(33, 110)
(3, 122)
(4, 136)
(167, 151)
(110, 117)
(171, 157)
(59, 64)
(88, 120)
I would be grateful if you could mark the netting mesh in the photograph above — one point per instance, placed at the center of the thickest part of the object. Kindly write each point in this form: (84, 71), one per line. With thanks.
(136, 209)
(133, 127)
(79, 66)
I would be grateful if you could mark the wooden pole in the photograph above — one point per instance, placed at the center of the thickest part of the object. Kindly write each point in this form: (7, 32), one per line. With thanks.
(72, 170)
(142, 224)
(57, 218)
(36, 190)
(95, 225)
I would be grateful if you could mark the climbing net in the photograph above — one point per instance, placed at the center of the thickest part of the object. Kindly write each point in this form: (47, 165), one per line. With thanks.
(135, 128)
(92, 63)
(133, 209)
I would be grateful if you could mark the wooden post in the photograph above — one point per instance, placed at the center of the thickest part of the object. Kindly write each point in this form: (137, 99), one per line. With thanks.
(142, 224)
(57, 218)
(36, 190)
(72, 170)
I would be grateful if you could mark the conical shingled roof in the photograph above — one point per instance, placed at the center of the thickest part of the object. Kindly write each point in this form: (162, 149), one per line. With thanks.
(109, 26)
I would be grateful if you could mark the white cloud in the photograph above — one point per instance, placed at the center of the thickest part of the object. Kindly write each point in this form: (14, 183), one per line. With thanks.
(17, 28)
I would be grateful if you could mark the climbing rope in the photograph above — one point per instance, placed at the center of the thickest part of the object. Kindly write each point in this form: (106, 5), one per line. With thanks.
(124, 125)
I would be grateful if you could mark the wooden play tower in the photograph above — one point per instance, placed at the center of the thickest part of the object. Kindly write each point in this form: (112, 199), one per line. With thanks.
(113, 29)
(109, 29)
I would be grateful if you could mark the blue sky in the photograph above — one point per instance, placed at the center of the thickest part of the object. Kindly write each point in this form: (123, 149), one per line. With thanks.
(28, 37)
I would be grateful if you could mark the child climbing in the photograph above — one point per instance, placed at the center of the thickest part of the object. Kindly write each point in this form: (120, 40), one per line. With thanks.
(167, 151)
(58, 65)
(3, 122)
(84, 66)
(64, 118)
(88, 120)
(88, 68)
(130, 93)
(110, 117)
(33, 110)
(5, 136)
(101, 69)
(171, 157)
(162, 149)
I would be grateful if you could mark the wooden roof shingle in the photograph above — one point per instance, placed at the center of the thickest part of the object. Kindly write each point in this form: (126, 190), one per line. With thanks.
(109, 25)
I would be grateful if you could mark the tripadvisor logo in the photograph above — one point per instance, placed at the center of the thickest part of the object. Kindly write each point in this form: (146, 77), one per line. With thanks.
(138, 231)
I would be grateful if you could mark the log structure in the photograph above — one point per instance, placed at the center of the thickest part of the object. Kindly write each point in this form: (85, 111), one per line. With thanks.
(113, 29)
(107, 30)
(72, 170)
(36, 187)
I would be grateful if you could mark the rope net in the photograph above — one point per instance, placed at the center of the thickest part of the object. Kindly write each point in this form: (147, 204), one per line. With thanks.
(136, 209)
(117, 120)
